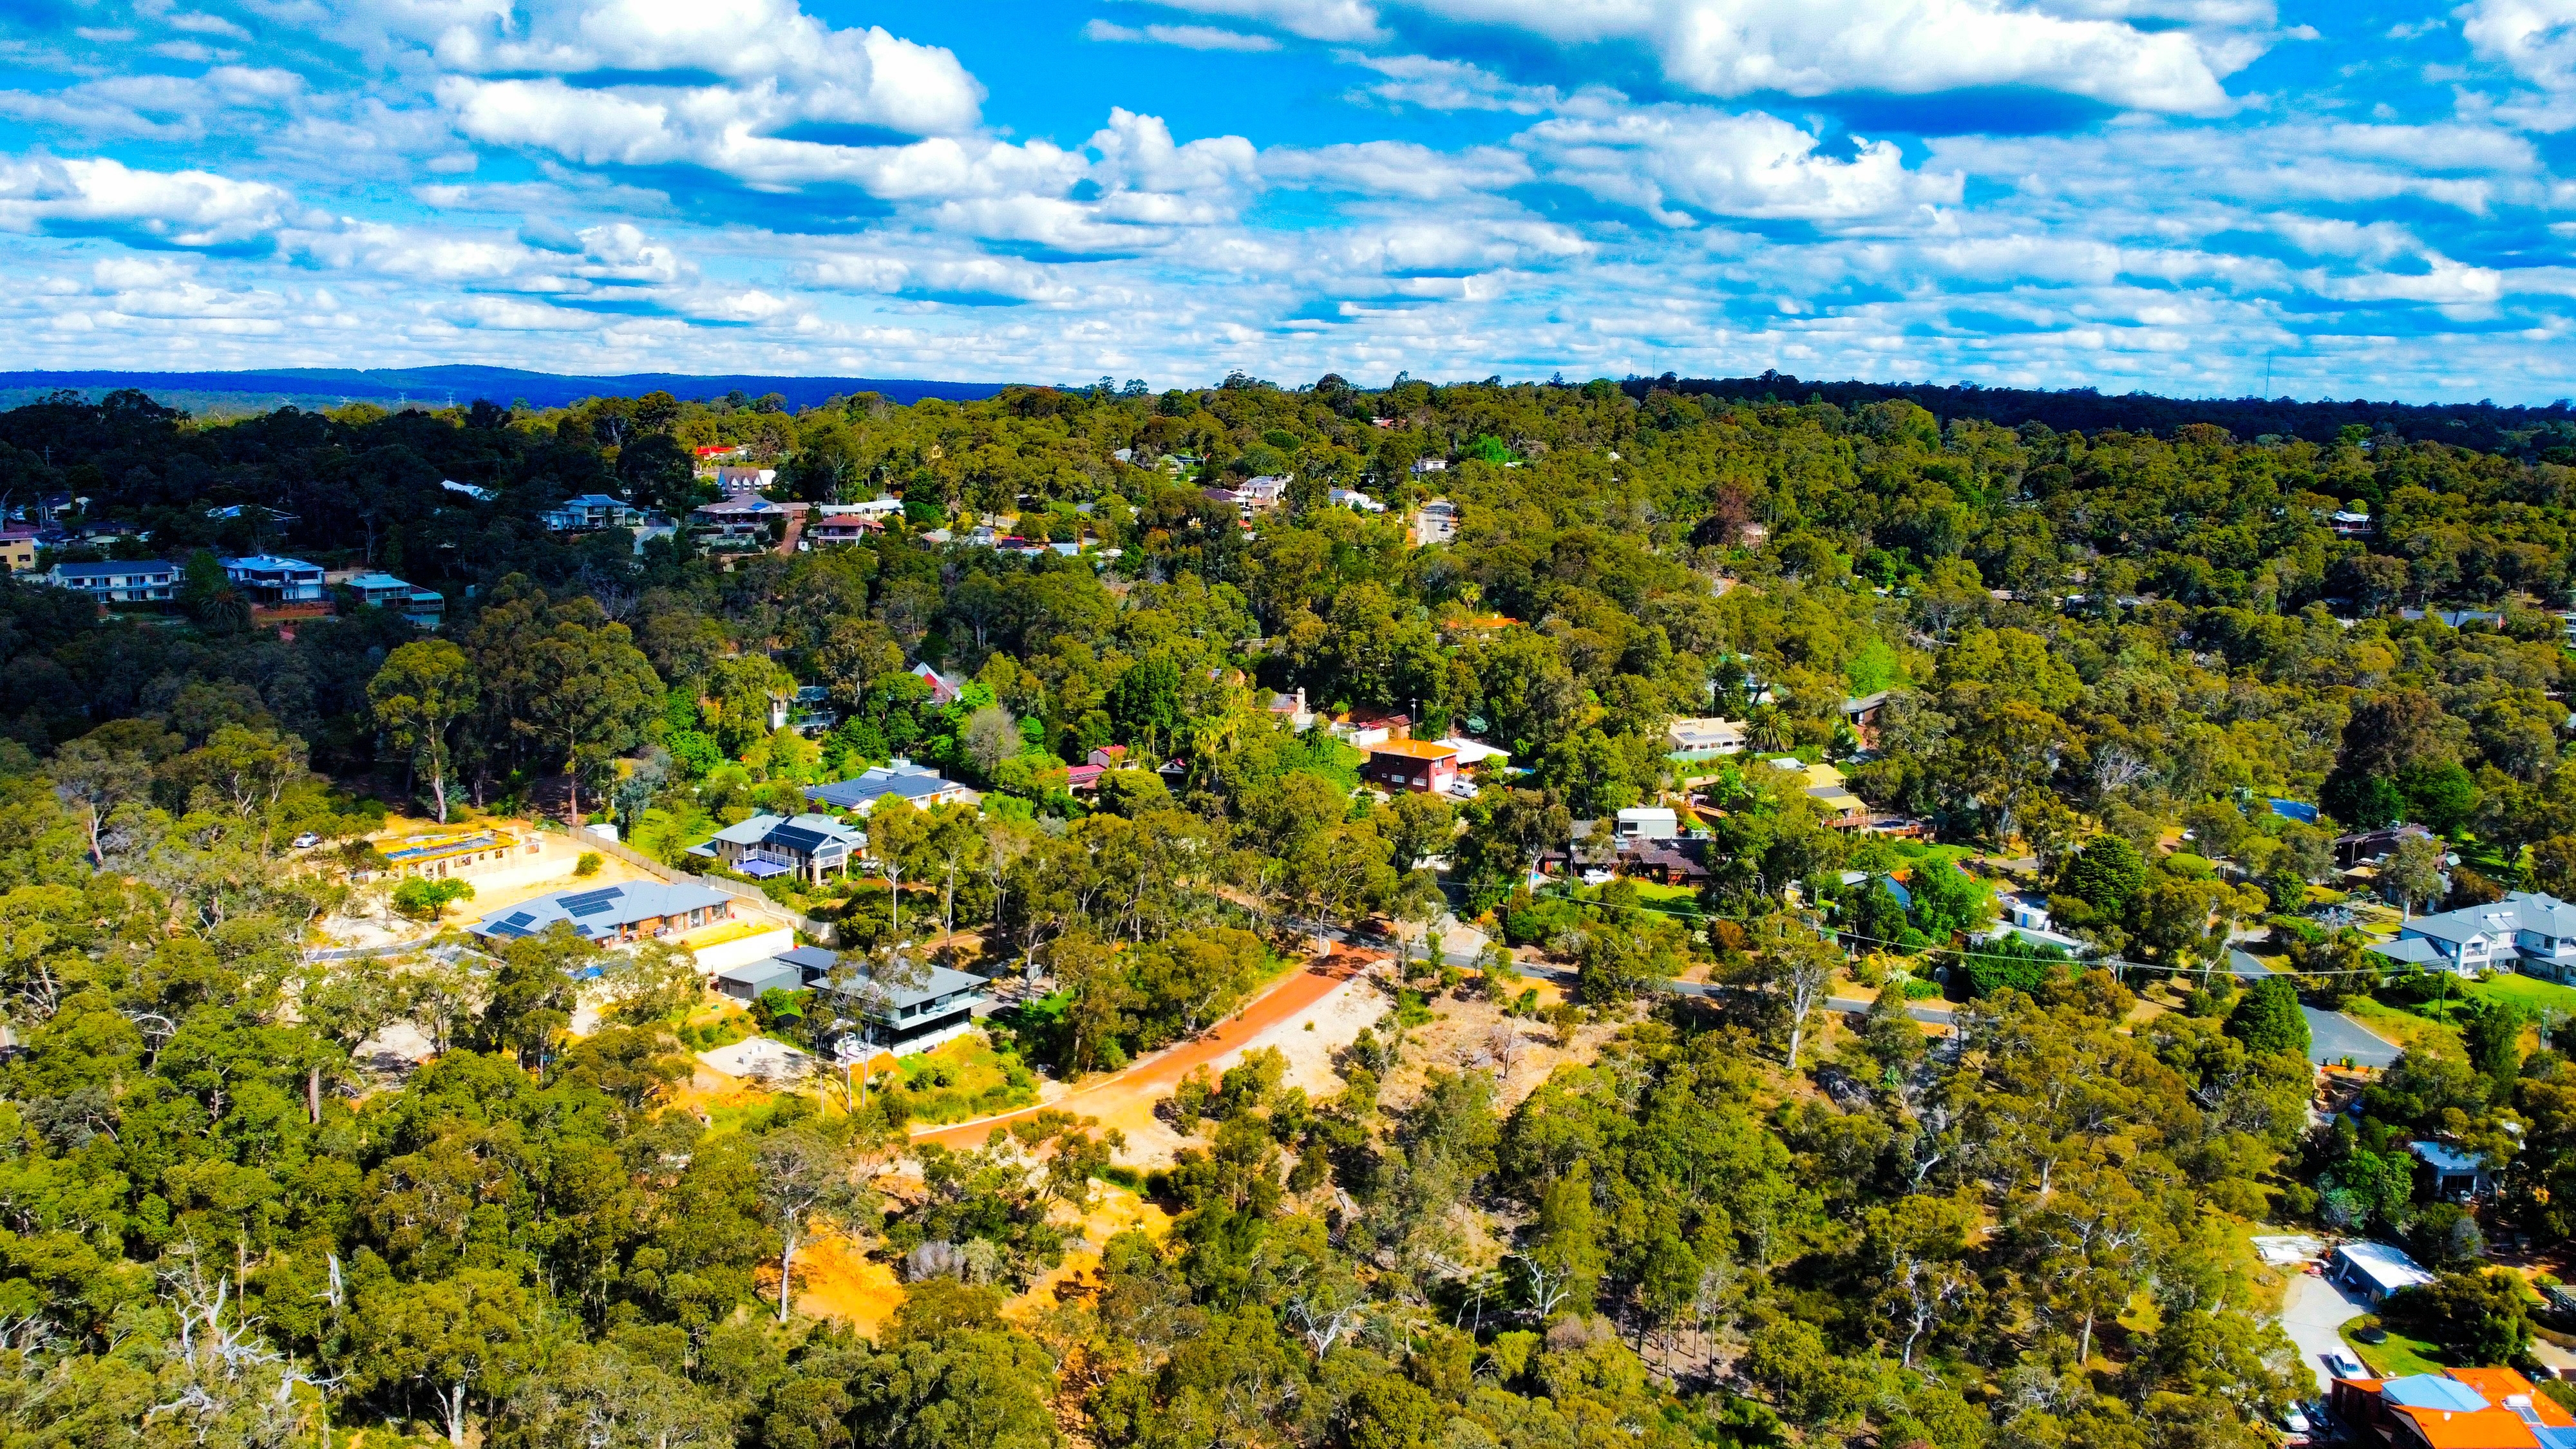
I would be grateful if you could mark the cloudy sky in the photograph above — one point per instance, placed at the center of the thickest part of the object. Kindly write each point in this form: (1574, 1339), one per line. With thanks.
(2188, 195)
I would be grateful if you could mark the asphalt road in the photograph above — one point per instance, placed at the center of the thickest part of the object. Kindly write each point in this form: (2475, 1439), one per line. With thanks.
(2332, 1036)
(2311, 1310)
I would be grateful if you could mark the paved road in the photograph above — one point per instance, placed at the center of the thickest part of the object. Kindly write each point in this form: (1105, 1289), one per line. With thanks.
(2311, 1310)
(2332, 1036)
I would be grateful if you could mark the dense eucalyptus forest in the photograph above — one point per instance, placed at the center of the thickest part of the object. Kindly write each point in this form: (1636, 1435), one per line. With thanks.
(1717, 1218)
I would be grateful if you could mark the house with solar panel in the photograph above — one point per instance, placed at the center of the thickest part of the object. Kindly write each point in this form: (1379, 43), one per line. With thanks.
(859, 794)
(612, 915)
(764, 847)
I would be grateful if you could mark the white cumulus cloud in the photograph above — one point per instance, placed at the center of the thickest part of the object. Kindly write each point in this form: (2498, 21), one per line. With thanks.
(1675, 161)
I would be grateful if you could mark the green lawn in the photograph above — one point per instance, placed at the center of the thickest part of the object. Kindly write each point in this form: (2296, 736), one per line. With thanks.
(1687, 896)
(2396, 1358)
(2528, 993)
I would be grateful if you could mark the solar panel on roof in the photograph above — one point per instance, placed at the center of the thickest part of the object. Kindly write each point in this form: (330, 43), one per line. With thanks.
(591, 903)
(517, 918)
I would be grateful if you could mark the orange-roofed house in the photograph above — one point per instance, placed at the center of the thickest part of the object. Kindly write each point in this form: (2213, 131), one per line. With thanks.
(2462, 1408)
(1411, 765)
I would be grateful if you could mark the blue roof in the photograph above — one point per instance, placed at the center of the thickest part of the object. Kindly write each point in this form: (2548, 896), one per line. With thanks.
(271, 563)
(2432, 1391)
(102, 570)
(2295, 810)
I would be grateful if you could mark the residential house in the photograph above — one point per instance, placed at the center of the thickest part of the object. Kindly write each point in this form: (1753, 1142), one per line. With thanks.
(588, 512)
(2372, 1271)
(1863, 714)
(2351, 523)
(882, 506)
(276, 582)
(811, 711)
(2458, 1408)
(478, 494)
(1291, 710)
(1354, 500)
(844, 523)
(913, 1011)
(2026, 909)
(807, 846)
(1108, 757)
(1648, 822)
(1419, 765)
(745, 482)
(1263, 493)
(737, 522)
(148, 581)
(1704, 738)
(2457, 1174)
(1431, 465)
(2365, 846)
(1372, 725)
(1474, 755)
(1835, 804)
(18, 549)
(272, 517)
(631, 911)
(423, 607)
(787, 971)
(902, 778)
(1666, 862)
(2456, 618)
(441, 854)
(1082, 779)
(2528, 932)
(944, 689)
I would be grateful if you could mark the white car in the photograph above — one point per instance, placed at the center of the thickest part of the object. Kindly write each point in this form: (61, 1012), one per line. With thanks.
(2345, 1366)
(1598, 877)
(307, 840)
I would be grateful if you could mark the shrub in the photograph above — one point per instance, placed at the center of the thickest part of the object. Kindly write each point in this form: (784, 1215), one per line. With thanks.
(588, 865)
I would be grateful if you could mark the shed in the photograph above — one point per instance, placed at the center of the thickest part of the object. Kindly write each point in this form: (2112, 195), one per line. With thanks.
(2374, 1270)
(747, 981)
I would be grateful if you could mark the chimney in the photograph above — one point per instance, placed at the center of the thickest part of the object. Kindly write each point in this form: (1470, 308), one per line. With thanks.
(1301, 699)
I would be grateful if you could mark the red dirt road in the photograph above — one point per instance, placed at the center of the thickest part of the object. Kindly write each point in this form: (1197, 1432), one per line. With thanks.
(1130, 1095)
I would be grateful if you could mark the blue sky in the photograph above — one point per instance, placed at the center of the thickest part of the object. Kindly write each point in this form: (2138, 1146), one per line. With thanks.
(2181, 195)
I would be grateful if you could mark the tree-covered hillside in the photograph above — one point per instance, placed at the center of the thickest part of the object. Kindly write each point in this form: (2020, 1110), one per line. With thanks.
(1721, 1218)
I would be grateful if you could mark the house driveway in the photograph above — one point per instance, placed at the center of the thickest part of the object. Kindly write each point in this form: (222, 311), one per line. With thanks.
(2311, 1310)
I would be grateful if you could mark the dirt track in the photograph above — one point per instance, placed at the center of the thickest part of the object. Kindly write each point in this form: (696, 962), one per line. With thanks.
(1129, 1096)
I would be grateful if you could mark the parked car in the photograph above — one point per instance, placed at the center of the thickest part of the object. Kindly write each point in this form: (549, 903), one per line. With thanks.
(2345, 1366)
(307, 840)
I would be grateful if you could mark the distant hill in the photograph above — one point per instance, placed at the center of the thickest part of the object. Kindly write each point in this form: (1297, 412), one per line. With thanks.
(267, 388)
(2548, 432)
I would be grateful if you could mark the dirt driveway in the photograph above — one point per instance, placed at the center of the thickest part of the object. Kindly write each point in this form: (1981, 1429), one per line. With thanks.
(1126, 1099)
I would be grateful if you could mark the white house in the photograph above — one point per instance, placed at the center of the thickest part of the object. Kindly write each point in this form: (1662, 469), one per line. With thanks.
(271, 580)
(1648, 822)
(1705, 738)
(2528, 932)
(1354, 499)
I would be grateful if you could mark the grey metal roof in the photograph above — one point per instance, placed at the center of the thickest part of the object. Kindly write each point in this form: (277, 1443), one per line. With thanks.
(941, 982)
(2542, 915)
(2444, 1158)
(599, 911)
(879, 782)
(758, 976)
(2414, 951)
